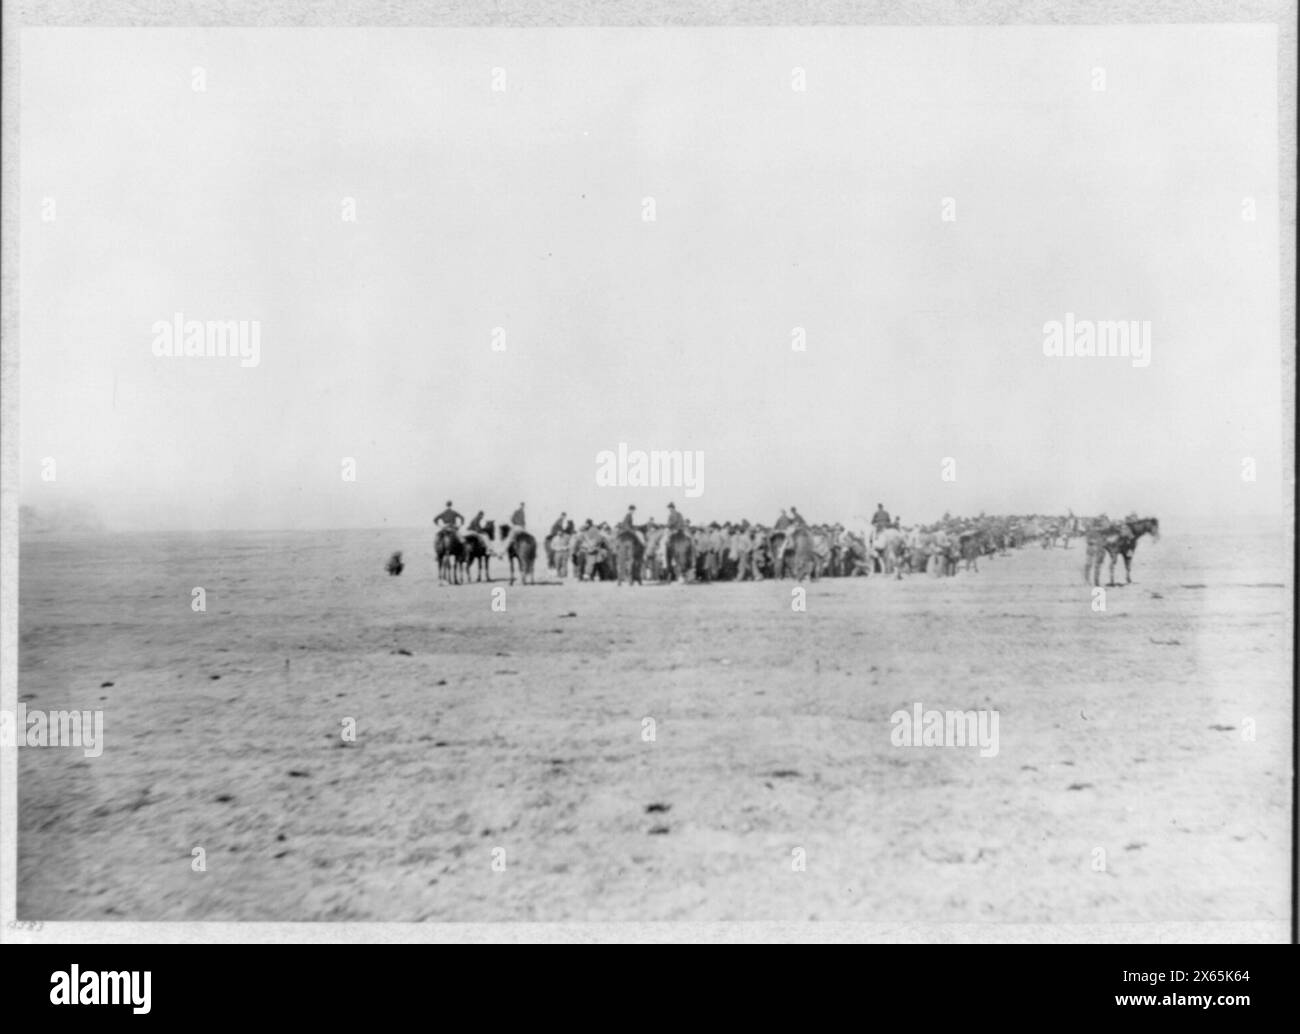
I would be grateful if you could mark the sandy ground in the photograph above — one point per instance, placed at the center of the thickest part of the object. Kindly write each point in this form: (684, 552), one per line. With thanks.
(522, 730)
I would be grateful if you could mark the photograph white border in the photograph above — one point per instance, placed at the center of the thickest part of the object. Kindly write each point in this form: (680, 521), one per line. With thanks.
(556, 13)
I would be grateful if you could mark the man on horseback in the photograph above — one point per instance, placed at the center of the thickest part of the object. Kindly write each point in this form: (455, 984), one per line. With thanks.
(676, 522)
(516, 526)
(628, 523)
(449, 518)
(880, 519)
(475, 531)
(782, 522)
(447, 545)
(558, 527)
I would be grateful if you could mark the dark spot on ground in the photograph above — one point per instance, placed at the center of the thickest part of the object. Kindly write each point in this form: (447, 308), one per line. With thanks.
(657, 807)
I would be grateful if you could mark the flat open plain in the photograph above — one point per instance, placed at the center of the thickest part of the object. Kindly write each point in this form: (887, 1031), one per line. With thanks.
(522, 730)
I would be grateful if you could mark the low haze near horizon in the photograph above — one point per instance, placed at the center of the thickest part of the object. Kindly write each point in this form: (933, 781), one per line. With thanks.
(774, 209)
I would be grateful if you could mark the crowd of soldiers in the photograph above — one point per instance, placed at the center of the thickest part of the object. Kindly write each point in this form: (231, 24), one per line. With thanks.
(741, 551)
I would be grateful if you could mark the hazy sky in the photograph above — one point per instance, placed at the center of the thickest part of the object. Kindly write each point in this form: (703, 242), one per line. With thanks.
(523, 209)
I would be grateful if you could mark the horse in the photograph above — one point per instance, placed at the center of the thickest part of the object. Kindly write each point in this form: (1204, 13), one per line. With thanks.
(856, 558)
(778, 545)
(804, 558)
(681, 555)
(450, 551)
(1117, 540)
(892, 547)
(629, 553)
(522, 551)
(478, 547)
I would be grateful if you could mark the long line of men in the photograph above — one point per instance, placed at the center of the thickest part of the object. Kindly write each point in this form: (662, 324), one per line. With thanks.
(741, 550)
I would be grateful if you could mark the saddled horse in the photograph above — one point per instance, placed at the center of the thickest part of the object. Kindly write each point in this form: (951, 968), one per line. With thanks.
(628, 553)
(1114, 541)
(855, 558)
(478, 547)
(522, 551)
(450, 551)
(681, 555)
(891, 545)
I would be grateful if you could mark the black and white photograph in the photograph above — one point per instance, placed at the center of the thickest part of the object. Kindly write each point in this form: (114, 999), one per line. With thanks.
(528, 467)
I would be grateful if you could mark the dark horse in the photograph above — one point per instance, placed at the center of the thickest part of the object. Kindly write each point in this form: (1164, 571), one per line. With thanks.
(522, 551)
(1117, 540)
(629, 552)
(450, 550)
(478, 547)
(803, 562)
(779, 547)
(681, 555)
